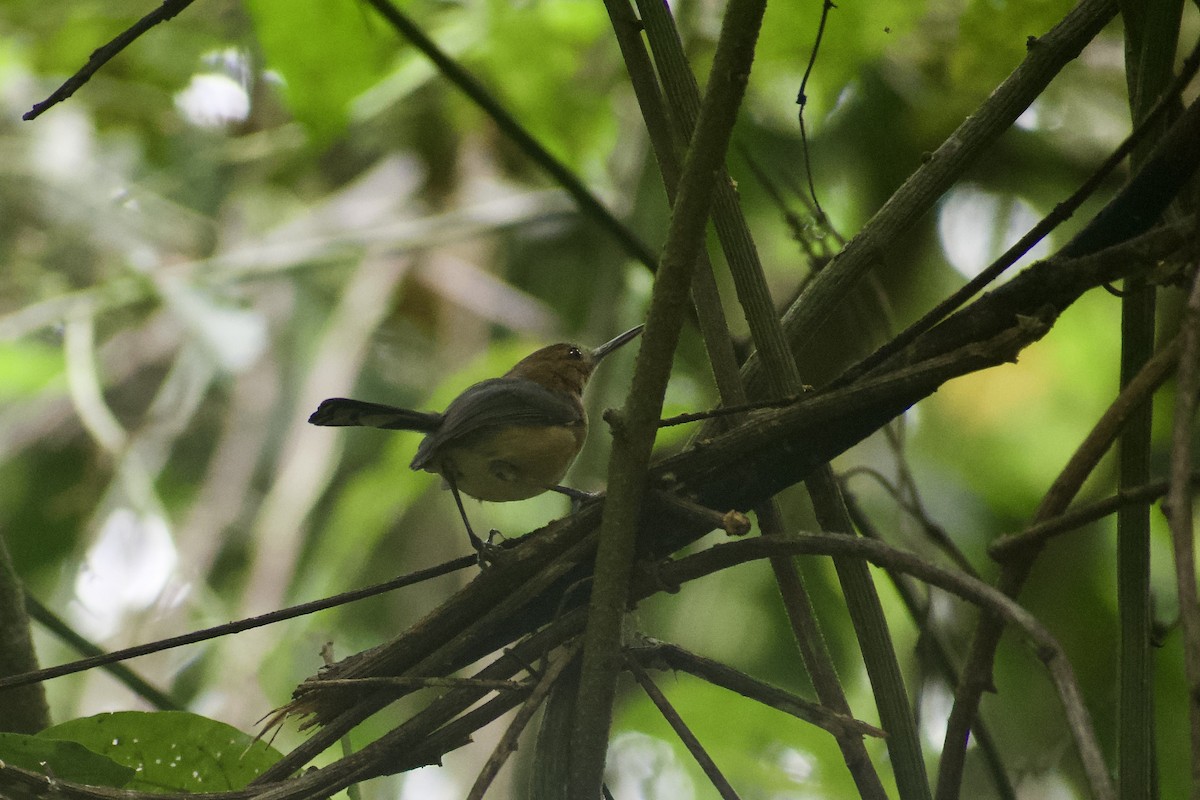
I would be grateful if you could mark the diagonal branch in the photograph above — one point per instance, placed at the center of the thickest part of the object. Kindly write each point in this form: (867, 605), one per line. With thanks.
(693, 745)
(1046, 56)
(469, 85)
(102, 55)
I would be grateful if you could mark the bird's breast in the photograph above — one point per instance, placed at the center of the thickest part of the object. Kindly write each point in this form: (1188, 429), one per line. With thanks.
(511, 463)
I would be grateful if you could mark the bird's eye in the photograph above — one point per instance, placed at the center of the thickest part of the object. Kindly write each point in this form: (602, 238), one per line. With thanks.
(574, 353)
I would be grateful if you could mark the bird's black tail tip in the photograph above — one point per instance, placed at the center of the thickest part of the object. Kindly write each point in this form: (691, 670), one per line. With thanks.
(326, 412)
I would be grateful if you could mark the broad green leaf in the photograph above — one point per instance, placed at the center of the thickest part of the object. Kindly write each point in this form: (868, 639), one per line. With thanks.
(67, 761)
(171, 750)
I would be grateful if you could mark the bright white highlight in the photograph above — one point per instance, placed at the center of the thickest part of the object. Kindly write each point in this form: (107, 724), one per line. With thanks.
(124, 572)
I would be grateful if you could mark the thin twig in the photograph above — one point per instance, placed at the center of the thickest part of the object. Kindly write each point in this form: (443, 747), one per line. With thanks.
(103, 55)
(723, 556)
(1012, 545)
(802, 101)
(703, 759)
(916, 510)
(136, 683)
(237, 626)
(977, 671)
(1104, 432)
(945, 165)
(729, 411)
(510, 127)
(1061, 213)
(661, 655)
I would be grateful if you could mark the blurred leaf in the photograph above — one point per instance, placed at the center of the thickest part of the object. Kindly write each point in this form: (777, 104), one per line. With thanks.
(564, 94)
(27, 367)
(326, 54)
(172, 750)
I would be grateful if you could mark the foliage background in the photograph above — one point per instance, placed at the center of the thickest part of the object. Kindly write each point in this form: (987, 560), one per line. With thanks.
(261, 205)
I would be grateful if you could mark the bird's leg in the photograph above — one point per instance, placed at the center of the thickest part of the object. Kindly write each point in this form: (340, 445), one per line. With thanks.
(476, 542)
(486, 551)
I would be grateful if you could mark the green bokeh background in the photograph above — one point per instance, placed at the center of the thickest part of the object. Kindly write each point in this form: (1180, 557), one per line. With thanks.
(235, 274)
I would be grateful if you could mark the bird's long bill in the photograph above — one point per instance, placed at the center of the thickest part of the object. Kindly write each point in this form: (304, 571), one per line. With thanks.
(606, 348)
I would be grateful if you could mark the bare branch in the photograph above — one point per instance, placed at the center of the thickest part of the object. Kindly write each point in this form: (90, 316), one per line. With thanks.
(103, 55)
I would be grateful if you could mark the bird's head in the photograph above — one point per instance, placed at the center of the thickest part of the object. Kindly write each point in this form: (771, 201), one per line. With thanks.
(566, 367)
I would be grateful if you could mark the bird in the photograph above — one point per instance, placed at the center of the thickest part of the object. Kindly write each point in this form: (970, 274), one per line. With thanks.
(503, 439)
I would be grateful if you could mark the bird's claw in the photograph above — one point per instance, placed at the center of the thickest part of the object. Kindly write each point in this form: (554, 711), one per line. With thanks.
(581, 499)
(488, 553)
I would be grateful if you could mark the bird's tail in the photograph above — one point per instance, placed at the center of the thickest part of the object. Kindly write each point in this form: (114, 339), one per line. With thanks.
(338, 411)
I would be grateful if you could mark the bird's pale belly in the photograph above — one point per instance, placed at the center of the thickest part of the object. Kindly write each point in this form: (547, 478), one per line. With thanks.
(511, 464)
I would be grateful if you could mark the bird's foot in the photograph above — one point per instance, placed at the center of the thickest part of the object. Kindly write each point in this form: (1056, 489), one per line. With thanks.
(488, 554)
(581, 499)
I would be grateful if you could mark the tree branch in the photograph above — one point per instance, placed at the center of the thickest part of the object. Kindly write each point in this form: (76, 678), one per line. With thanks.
(102, 55)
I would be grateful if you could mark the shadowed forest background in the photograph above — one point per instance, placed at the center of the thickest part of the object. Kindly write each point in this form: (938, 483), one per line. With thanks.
(259, 205)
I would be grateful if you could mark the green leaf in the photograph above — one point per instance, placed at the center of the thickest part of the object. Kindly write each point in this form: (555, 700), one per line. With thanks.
(67, 761)
(171, 750)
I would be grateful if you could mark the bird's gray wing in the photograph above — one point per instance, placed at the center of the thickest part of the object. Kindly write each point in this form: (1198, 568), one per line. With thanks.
(496, 403)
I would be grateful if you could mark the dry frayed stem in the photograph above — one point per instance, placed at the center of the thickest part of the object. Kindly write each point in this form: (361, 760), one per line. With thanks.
(406, 682)
(681, 729)
(1181, 517)
(353, 791)
(508, 742)
(660, 655)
